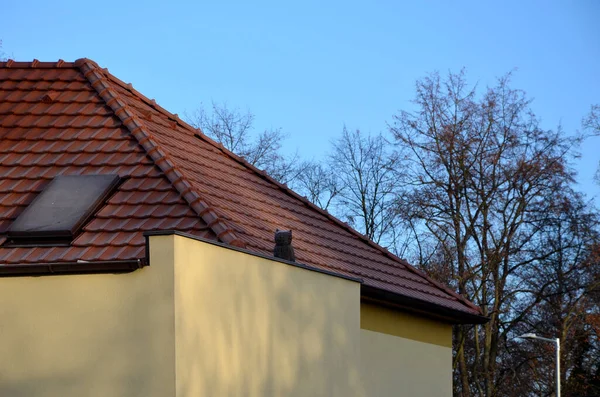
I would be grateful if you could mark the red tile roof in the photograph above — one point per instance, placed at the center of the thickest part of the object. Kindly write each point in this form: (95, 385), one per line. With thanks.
(76, 118)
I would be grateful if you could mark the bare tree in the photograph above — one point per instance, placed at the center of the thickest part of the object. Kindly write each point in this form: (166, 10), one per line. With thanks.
(479, 172)
(234, 129)
(319, 183)
(2, 53)
(367, 175)
(563, 285)
(591, 123)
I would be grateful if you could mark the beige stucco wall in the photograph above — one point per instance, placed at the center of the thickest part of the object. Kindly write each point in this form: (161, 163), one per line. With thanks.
(249, 326)
(204, 320)
(403, 354)
(90, 335)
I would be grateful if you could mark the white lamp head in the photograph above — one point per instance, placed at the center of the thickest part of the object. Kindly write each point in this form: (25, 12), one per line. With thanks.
(528, 336)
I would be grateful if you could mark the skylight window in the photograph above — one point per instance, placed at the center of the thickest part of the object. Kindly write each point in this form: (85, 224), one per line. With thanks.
(59, 212)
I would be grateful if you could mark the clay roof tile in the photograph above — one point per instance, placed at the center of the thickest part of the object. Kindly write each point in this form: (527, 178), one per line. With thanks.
(91, 122)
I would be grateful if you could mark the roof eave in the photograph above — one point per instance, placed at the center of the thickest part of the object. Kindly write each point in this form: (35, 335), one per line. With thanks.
(419, 306)
(65, 268)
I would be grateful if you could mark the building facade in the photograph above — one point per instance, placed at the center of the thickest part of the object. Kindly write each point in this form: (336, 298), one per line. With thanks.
(136, 259)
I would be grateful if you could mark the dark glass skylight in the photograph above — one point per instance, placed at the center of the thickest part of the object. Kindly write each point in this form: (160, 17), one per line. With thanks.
(59, 212)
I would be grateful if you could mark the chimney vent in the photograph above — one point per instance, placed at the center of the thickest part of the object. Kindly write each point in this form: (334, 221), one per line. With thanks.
(283, 245)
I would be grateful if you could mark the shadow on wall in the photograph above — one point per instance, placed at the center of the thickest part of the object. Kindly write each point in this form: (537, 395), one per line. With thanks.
(248, 326)
(95, 335)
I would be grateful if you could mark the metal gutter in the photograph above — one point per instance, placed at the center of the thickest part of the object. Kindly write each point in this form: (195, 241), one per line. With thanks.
(64, 268)
(429, 309)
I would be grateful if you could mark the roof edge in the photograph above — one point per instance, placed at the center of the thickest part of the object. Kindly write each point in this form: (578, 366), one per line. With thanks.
(282, 187)
(65, 268)
(174, 117)
(342, 224)
(11, 63)
(136, 127)
(429, 309)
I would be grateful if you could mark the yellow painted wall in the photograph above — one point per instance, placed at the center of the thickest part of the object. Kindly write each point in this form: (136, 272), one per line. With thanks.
(90, 335)
(407, 325)
(403, 354)
(204, 320)
(249, 326)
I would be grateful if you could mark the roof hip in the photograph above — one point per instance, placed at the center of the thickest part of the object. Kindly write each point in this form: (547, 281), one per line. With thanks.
(220, 228)
(97, 79)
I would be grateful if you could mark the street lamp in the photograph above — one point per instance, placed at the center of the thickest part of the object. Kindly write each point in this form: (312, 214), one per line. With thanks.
(557, 342)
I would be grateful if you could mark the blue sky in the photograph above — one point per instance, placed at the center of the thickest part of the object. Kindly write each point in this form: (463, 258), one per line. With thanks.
(311, 67)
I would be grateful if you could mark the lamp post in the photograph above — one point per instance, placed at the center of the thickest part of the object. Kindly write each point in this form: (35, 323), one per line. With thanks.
(557, 342)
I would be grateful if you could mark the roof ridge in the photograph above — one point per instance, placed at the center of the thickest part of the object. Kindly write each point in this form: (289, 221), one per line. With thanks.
(11, 63)
(97, 79)
(290, 192)
(150, 102)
